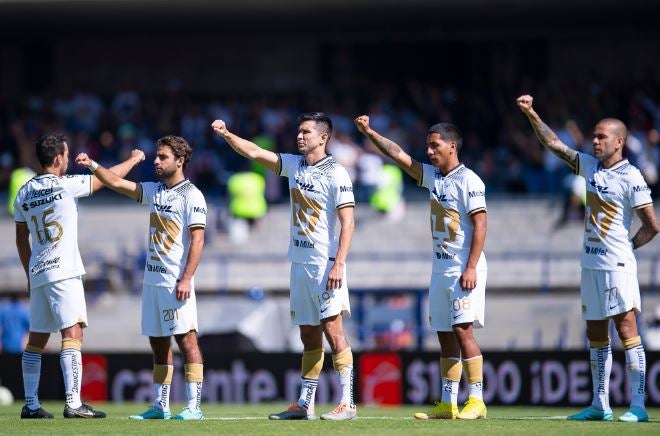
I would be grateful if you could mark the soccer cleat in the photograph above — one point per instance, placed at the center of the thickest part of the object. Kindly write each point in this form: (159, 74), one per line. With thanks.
(40, 413)
(474, 408)
(440, 411)
(152, 413)
(84, 411)
(188, 415)
(294, 412)
(592, 413)
(341, 413)
(635, 414)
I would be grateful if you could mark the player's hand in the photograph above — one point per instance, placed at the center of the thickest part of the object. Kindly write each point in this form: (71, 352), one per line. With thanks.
(83, 160)
(469, 279)
(362, 124)
(183, 289)
(335, 276)
(525, 103)
(220, 128)
(137, 155)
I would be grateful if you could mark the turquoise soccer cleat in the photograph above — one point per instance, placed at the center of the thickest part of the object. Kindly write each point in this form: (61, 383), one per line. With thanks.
(188, 415)
(592, 413)
(152, 413)
(635, 414)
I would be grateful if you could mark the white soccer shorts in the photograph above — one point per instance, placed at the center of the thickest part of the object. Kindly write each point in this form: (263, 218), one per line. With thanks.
(164, 315)
(608, 293)
(310, 302)
(57, 305)
(449, 304)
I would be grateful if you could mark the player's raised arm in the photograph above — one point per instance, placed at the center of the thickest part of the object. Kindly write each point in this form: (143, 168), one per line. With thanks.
(110, 179)
(389, 148)
(120, 169)
(246, 148)
(545, 134)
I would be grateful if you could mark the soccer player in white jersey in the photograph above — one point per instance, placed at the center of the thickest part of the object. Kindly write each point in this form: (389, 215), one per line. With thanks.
(609, 288)
(176, 237)
(458, 280)
(46, 211)
(321, 192)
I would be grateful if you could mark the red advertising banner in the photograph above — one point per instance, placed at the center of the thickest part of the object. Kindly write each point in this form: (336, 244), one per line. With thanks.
(95, 378)
(380, 378)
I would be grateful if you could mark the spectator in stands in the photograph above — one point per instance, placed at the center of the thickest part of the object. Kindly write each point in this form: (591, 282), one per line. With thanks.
(609, 287)
(321, 193)
(458, 283)
(45, 211)
(169, 307)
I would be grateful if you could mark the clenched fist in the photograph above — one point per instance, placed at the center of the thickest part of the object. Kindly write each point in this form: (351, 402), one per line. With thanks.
(220, 128)
(525, 103)
(362, 123)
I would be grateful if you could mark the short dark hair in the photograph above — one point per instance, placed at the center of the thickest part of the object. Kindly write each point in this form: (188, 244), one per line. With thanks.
(320, 119)
(448, 132)
(179, 146)
(48, 147)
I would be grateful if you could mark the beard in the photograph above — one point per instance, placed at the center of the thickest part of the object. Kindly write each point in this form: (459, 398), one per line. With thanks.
(164, 173)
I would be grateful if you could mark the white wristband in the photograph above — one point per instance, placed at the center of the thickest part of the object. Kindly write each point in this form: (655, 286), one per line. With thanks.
(93, 166)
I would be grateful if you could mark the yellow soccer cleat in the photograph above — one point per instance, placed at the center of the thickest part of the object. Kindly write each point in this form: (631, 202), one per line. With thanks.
(440, 411)
(474, 409)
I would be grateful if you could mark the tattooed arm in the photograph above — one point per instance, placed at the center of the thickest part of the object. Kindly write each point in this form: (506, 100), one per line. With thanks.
(649, 226)
(547, 137)
(390, 148)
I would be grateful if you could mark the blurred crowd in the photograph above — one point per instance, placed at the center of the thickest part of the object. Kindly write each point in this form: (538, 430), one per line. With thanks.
(498, 141)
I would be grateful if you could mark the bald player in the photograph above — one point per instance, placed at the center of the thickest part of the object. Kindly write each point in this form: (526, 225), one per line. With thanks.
(609, 287)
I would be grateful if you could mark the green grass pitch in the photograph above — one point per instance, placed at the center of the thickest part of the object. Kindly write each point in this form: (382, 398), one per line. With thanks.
(252, 420)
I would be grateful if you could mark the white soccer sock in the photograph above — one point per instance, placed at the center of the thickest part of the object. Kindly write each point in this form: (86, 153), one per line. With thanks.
(31, 363)
(601, 368)
(194, 394)
(71, 363)
(346, 382)
(636, 373)
(307, 392)
(449, 391)
(476, 390)
(162, 396)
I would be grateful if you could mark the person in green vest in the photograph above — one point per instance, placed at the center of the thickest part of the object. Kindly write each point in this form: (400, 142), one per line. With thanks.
(246, 196)
(17, 179)
(387, 198)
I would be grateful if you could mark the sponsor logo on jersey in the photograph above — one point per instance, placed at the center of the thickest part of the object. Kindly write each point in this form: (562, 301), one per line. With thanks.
(445, 256)
(599, 188)
(156, 268)
(45, 265)
(642, 188)
(473, 194)
(38, 193)
(40, 202)
(595, 250)
(305, 186)
(440, 197)
(163, 207)
(199, 210)
(345, 189)
(303, 244)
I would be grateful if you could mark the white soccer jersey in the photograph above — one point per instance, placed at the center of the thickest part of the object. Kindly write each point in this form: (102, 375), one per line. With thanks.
(454, 197)
(49, 206)
(173, 212)
(612, 194)
(317, 192)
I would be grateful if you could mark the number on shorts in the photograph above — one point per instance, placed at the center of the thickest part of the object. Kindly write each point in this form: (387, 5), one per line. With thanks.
(170, 314)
